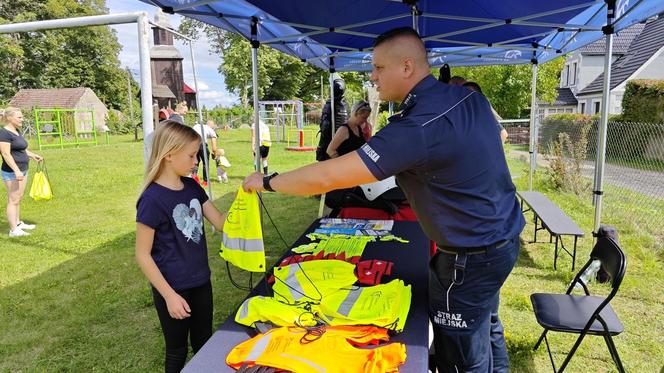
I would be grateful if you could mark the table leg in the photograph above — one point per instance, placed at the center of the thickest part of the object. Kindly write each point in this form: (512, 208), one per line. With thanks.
(555, 256)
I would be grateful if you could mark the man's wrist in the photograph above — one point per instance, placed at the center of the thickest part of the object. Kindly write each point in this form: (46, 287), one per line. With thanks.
(266, 182)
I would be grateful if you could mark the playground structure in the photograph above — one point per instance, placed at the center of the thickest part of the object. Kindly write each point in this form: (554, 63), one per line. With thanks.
(66, 127)
(288, 119)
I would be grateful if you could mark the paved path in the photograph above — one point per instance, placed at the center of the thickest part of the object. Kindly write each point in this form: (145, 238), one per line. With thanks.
(650, 183)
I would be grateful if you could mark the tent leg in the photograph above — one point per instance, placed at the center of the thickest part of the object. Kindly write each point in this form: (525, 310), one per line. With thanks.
(533, 127)
(604, 118)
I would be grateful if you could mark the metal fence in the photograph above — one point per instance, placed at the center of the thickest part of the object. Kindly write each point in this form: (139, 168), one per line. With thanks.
(634, 168)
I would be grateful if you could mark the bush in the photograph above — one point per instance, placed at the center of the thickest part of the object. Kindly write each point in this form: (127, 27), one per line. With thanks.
(119, 123)
(565, 159)
(644, 101)
(574, 125)
(565, 143)
(381, 121)
(313, 116)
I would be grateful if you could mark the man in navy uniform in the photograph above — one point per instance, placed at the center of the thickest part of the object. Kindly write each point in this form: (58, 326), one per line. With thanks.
(451, 166)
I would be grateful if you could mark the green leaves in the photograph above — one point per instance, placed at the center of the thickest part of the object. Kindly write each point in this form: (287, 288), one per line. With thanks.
(508, 86)
(75, 57)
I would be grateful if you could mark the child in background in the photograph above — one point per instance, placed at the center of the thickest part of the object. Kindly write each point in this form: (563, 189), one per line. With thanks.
(171, 249)
(265, 142)
(222, 164)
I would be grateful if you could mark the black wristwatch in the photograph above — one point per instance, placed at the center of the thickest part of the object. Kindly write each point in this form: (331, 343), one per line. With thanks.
(266, 182)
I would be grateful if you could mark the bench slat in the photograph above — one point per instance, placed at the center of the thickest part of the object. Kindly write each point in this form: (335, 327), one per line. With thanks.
(557, 222)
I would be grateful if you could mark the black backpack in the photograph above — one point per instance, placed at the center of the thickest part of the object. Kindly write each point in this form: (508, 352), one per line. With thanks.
(341, 112)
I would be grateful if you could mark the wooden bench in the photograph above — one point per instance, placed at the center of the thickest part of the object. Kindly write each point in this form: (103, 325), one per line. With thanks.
(553, 219)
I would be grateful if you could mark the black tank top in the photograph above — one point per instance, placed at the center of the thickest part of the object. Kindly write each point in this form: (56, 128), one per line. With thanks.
(352, 143)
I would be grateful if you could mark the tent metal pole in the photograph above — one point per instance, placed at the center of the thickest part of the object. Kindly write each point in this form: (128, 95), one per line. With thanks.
(414, 12)
(604, 117)
(533, 126)
(254, 78)
(146, 84)
(206, 160)
(332, 117)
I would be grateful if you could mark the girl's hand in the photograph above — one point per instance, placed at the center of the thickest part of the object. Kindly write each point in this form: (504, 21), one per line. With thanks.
(37, 157)
(19, 175)
(177, 307)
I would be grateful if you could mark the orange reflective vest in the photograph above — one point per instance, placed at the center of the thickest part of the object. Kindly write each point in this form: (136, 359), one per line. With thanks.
(282, 348)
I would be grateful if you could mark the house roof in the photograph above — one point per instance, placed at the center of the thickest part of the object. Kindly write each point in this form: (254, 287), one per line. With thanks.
(565, 97)
(162, 91)
(644, 46)
(64, 98)
(621, 41)
(188, 89)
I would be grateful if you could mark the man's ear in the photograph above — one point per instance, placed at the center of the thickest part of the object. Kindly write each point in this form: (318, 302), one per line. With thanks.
(408, 67)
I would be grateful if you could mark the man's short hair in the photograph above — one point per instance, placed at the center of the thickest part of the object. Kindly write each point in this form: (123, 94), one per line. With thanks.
(395, 33)
(473, 86)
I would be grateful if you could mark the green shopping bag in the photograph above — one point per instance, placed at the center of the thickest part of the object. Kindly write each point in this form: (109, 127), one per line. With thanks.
(40, 190)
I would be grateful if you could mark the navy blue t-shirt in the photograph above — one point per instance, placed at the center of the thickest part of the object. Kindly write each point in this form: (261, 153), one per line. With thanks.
(451, 167)
(179, 248)
(17, 146)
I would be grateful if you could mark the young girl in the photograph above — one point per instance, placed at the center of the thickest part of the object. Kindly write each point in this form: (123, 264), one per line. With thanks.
(170, 241)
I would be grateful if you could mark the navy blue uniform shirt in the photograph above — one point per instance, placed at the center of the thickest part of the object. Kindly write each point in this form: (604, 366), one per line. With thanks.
(452, 168)
(179, 248)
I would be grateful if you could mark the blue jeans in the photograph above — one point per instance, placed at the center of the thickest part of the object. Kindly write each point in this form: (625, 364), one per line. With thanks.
(464, 293)
(9, 176)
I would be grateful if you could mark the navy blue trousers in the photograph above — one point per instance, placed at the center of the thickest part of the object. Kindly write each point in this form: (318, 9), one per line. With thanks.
(464, 293)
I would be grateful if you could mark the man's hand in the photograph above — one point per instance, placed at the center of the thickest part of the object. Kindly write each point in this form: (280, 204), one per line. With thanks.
(253, 182)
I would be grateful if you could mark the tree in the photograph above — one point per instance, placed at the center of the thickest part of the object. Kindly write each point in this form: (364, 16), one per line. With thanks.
(508, 87)
(86, 56)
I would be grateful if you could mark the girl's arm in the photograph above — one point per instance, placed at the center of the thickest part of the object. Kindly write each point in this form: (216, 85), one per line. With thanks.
(177, 306)
(340, 136)
(213, 215)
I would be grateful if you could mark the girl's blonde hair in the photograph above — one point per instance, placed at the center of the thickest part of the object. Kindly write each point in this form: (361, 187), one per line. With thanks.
(8, 112)
(170, 137)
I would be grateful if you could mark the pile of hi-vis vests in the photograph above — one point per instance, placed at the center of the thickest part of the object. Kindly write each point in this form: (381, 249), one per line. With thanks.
(326, 298)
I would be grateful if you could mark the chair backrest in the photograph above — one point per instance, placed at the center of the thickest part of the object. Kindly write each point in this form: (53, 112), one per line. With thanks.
(613, 260)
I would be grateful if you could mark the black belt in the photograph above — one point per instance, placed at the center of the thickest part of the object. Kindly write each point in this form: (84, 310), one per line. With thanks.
(471, 250)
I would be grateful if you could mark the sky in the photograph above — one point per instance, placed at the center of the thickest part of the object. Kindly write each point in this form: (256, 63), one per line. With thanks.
(210, 82)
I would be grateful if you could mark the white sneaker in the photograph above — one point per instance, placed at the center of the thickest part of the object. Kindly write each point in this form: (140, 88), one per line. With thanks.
(18, 232)
(23, 225)
(225, 178)
(219, 178)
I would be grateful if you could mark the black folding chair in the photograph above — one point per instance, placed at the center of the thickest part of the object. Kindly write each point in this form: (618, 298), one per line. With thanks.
(585, 314)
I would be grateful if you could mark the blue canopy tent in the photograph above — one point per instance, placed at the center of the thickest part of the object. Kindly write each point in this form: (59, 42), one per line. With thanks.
(338, 35)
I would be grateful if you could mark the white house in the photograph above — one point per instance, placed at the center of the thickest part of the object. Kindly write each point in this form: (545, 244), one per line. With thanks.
(638, 53)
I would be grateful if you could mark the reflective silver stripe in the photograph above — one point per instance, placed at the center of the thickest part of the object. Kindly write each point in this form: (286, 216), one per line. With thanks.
(242, 244)
(293, 285)
(310, 363)
(244, 309)
(258, 348)
(349, 302)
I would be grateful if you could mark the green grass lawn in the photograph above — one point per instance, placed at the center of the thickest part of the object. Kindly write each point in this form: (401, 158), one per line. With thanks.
(73, 299)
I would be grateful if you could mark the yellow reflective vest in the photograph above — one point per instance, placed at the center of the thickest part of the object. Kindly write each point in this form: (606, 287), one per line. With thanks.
(311, 281)
(242, 236)
(285, 349)
(384, 305)
(323, 290)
